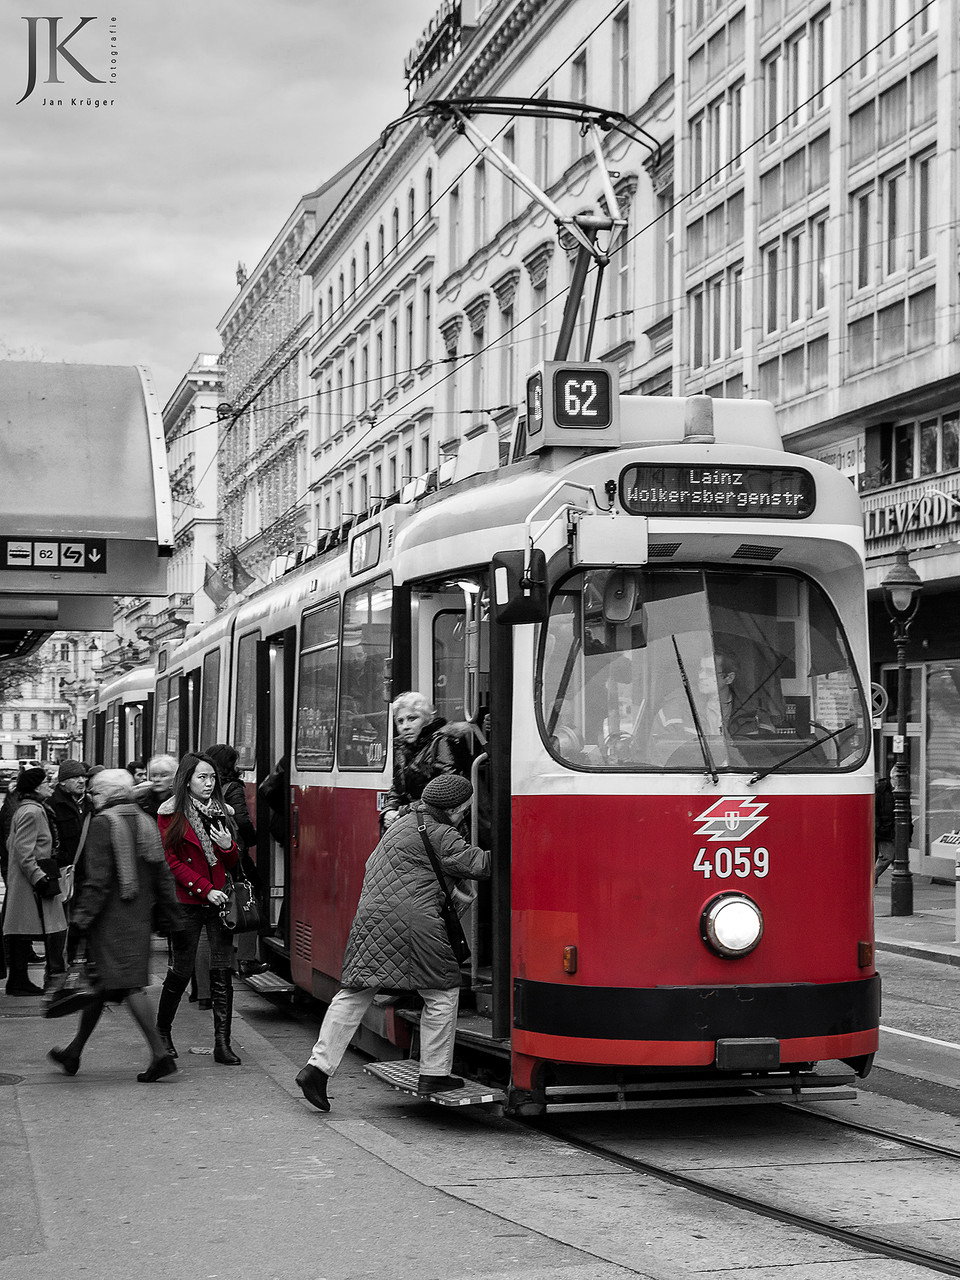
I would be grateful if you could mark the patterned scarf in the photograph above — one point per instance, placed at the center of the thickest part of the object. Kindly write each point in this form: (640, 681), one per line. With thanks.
(129, 841)
(202, 816)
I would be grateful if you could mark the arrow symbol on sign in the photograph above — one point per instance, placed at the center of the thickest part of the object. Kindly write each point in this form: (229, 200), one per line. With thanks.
(93, 555)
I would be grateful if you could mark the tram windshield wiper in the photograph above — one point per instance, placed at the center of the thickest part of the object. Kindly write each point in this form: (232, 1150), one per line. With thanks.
(697, 722)
(803, 750)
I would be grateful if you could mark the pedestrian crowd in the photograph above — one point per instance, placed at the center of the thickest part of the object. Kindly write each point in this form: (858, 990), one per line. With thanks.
(97, 862)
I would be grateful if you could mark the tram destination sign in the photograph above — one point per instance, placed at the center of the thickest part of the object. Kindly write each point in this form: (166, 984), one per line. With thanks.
(65, 555)
(717, 489)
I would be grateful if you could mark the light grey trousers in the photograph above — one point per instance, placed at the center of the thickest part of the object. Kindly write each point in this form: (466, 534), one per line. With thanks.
(438, 1028)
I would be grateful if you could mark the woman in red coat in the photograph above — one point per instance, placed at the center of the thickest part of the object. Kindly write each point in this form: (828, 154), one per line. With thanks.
(198, 840)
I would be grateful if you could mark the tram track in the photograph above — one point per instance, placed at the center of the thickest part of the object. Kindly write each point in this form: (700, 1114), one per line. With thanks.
(863, 1240)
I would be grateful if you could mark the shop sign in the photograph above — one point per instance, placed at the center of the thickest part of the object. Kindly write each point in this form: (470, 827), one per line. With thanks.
(908, 511)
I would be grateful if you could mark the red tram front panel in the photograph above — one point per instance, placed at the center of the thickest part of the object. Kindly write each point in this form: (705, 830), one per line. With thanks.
(625, 879)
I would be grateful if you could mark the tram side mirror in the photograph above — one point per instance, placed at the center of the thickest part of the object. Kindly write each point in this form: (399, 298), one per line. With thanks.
(519, 596)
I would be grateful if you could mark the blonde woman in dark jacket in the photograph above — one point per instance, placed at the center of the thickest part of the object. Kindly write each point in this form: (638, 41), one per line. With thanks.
(398, 939)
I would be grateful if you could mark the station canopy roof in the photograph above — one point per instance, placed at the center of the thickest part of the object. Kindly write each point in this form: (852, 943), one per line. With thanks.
(85, 510)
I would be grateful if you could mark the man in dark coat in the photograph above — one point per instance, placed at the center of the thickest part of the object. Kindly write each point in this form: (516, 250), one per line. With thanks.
(70, 808)
(398, 938)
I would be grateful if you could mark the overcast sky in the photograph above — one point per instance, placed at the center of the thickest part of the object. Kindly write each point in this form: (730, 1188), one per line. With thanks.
(121, 226)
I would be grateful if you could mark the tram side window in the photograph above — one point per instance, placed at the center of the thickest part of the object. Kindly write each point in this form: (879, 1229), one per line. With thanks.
(363, 711)
(110, 735)
(449, 652)
(160, 717)
(317, 696)
(173, 717)
(245, 722)
(209, 699)
(688, 669)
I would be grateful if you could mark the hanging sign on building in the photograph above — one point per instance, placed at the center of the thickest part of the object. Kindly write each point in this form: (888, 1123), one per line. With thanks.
(74, 555)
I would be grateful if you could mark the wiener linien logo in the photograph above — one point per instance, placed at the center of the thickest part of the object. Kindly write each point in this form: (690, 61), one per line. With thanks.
(731, 817)
(69, 57)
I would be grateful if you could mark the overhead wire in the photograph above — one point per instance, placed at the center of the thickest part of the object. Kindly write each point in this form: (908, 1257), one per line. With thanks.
(624, 241)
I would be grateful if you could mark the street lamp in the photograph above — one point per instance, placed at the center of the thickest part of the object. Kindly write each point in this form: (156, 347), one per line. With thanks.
(901, 592)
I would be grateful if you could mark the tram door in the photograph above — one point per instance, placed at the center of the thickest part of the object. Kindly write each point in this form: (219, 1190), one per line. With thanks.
(275, 674)
(450, 665)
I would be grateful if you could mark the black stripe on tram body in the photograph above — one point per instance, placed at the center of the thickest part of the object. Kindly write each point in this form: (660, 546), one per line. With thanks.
(785, 1011)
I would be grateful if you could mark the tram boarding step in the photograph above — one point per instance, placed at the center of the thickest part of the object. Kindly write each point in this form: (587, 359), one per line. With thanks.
(269, 984)
(403, 1075)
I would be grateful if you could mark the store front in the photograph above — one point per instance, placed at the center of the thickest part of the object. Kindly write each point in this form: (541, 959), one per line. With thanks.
(925, 518)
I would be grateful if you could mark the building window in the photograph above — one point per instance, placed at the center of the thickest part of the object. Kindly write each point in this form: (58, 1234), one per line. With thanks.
(923, 201)
(795, 275)
(818, 236)
(381, 245)
(427, 325)
(666, 34)
(664, 250)
(507, 389)
(455, 227)
(894, 240)
(409, 356)
(716, 138)
(578, 93)
(411, 209)
(621, 61)
(394, 349)
(794, 79)
(428, 191)
(541, 141)
(480, 204)
(509, 186)
(863, 237)
(771, 288)
(366, 259)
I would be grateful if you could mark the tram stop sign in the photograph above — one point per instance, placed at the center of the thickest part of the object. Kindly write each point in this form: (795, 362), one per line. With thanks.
(85, 509)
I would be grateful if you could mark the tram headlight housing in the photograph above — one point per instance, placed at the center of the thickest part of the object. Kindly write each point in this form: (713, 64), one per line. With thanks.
(731, 924)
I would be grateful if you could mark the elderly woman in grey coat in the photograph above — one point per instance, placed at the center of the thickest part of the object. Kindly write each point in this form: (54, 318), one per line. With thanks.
(127, 884)
(34, 905)
(398, 939)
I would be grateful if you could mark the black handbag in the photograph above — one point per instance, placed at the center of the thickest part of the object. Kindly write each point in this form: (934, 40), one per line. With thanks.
(74, 991)
(241, 911)
(448, 911)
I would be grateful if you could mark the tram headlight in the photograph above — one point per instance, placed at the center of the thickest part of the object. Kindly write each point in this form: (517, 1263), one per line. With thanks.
(731, 924)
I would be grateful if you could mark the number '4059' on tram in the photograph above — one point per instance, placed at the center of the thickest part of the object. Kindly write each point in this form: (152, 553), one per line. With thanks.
(655, 616)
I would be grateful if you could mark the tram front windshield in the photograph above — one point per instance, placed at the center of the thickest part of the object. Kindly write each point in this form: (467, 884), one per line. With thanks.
(695, 669)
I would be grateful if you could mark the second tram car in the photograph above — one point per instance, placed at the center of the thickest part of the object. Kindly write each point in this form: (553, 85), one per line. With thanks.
(119, 727)
(659, 614)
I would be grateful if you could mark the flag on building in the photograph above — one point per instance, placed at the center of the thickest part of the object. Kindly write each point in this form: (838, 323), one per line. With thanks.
(215, 585)
(242, 577)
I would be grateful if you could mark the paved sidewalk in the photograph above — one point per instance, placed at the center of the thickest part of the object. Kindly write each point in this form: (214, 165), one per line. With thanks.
(930, 932)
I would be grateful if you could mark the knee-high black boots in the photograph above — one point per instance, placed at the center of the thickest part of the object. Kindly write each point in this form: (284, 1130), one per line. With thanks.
(221, 996)
(170, 994)
(19, 948)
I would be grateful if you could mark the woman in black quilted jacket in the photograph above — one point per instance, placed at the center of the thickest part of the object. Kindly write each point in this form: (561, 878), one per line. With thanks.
(398, 938)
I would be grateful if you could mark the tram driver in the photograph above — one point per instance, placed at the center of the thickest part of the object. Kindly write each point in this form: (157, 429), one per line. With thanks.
(721, 708)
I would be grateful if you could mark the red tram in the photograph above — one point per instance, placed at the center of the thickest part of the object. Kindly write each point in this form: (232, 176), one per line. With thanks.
(662, 613)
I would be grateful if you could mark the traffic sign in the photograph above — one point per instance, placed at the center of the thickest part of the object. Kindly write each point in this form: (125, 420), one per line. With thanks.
(78, 555)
